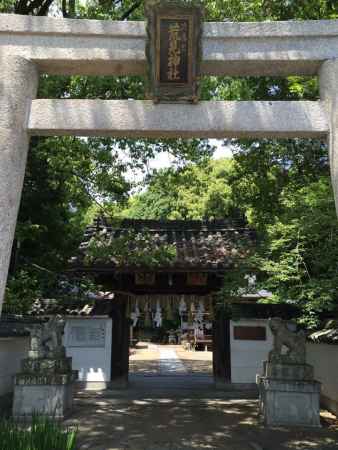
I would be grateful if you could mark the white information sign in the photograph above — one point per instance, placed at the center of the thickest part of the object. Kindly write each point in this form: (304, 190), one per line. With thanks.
(87, 335)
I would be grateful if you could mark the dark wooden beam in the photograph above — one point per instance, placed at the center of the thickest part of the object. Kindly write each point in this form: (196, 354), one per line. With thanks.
(126, 283)
(221, 350)
(120, 343)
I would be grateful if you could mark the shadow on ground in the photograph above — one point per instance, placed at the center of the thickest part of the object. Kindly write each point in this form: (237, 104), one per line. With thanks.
(144, 367)
(154, 419)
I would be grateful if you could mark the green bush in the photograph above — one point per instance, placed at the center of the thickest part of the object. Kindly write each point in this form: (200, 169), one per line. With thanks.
(42, 434)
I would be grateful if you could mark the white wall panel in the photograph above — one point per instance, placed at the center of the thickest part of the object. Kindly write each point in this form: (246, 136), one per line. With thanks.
(324, 358)
(247, 356)
(88, 342)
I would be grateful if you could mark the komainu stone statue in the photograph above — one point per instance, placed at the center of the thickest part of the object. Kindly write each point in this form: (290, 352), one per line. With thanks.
(45, 383)
(284, 338)
(288, 393)
(46, 339)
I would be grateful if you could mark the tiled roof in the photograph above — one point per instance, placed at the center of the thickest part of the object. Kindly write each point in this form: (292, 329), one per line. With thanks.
(253, 310)
(99, 305)
(200, 245)
(328, 335)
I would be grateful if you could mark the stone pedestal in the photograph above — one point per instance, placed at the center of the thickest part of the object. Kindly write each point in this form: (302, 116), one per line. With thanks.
(282, 371)
(45, 386)
(289, 396)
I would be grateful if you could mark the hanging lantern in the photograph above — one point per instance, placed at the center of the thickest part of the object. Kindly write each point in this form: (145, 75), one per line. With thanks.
(199, 313)
(158, 315)
(191, 314)
(137, 309)
(128, 309)
(211, 309)
(182, 307)
(147, 316)
(169, 310)
(135, 314)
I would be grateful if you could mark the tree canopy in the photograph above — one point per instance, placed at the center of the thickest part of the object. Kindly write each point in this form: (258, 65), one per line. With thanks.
(196, 191)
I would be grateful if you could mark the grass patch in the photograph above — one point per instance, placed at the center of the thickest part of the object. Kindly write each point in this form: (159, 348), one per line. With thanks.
(42, 434)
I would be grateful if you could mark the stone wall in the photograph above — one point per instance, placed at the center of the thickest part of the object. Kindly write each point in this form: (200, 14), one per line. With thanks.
(324, 358)
(12, 351)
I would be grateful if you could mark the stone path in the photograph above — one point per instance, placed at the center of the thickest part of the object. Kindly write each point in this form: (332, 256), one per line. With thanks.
(149, 359)
(170, 364)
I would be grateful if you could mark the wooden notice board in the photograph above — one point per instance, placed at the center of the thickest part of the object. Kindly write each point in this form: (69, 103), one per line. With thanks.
(247, 333)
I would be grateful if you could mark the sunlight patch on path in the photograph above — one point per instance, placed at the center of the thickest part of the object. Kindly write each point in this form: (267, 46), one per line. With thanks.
(170, 364)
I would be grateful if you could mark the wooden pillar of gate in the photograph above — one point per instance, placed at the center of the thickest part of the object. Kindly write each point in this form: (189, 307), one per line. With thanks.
(120, 343)
(221, 350)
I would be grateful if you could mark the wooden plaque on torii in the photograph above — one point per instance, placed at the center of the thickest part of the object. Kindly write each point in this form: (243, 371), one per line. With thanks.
(173, 50)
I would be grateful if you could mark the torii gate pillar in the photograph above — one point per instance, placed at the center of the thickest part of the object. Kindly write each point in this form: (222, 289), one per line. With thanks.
(328, 77)
(18, 86)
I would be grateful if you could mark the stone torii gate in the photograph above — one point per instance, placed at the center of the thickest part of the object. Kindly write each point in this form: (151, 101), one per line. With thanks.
(33, 45)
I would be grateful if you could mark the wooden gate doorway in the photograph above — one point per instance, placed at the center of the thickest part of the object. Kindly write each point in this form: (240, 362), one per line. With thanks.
(209, 357)
(171, 338)
(171, 302)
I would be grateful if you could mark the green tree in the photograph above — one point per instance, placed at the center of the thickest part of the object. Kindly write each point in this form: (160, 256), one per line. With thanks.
(299, 258)
(196, 191)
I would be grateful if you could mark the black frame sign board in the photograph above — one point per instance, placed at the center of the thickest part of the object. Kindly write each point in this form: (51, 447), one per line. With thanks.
(173, 50)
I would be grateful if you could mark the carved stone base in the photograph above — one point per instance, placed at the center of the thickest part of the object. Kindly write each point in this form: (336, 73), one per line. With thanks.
(55, 401)
(46, 365)
(289, 403)
(60, 353)
(295, 372)
(45, 387)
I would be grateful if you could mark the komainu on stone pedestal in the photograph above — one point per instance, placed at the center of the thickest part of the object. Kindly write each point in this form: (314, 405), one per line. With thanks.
(45, 383)
(46, 339)
(294, 343)
(288, 393)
